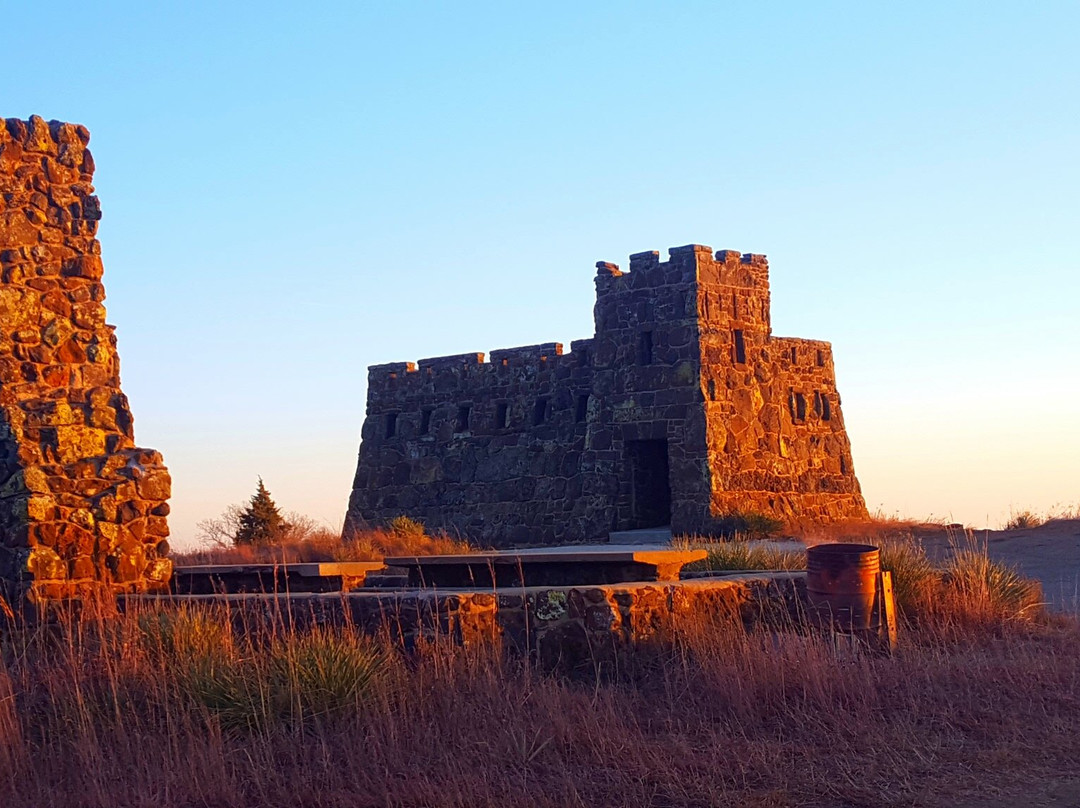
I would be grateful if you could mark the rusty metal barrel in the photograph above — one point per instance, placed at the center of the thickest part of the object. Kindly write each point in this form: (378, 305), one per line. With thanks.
(841, 582)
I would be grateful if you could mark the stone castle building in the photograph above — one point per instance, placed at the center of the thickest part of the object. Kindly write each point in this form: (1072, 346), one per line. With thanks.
(682, 410)
(82, 508)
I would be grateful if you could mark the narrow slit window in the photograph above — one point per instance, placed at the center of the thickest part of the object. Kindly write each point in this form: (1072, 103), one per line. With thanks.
(391, 424)
(740, 347)
(820, 358)
(712, 389)
(502, 415)
(817, 404)
(794, 356)
(645, 348)
(800, 407)
(734, 305)
(826, 412)
(425, 422)
(540, 411)
(581, 411)
(463, 418)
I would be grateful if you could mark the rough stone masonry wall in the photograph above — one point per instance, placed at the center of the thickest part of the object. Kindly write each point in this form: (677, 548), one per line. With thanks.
(776, 437)
(567, 628)
(81, 507)
(491, 450)
(680, 410)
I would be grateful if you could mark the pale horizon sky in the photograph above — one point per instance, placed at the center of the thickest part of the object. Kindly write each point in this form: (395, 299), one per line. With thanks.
(294, 192)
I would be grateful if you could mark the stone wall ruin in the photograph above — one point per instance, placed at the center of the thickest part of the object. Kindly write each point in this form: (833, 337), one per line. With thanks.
(681, 410)
(82, 508)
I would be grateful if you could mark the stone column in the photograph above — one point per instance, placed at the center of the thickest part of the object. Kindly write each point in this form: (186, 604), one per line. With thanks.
(82, 509)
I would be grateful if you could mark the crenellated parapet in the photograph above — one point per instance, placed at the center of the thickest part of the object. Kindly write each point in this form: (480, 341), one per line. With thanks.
(82, 508)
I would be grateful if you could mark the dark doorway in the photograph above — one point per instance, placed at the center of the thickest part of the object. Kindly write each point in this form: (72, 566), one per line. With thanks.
(650, 490)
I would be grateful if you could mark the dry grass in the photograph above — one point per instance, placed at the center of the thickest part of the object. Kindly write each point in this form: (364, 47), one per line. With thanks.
(969, 587)
(1027, 519)
(110, 714)
(880, 527)
(183, 707)
(180, 708)
(402, 537)
(744, 555)
(1024, 520)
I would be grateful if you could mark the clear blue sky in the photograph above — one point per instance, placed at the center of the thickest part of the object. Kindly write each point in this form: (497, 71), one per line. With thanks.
(295, 191)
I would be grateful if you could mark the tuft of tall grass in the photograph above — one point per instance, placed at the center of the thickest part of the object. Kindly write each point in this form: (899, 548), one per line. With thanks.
(1024, 520)
(975, 586)
(743, 555)
(167, 635)
(291, 677)
(915, 579)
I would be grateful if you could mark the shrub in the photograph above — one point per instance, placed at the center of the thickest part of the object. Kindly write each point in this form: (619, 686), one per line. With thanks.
(407, 528)
(261, 522)
(978, 587)
(295, 678)
(915, 579)
(403, 537)
(741, 555)
(1024, 520)
(327, 672)
(173, 635)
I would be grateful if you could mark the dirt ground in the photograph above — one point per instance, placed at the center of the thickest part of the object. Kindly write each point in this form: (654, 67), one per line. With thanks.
(1050, 553)
(1063, 793)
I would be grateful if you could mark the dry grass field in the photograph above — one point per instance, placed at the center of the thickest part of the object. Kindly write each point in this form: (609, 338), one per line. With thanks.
(402, 536)
(179, 707)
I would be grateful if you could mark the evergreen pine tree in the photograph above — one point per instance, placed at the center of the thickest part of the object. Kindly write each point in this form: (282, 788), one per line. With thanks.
(260, 522)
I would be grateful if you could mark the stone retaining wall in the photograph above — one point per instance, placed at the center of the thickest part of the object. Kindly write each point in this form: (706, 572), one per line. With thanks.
(564, 627)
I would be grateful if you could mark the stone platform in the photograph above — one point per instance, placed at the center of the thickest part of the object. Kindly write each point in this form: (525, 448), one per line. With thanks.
(215, 579)
(555, 566)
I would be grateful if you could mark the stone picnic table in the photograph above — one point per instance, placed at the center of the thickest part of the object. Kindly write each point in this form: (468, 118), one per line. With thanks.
(546, 566)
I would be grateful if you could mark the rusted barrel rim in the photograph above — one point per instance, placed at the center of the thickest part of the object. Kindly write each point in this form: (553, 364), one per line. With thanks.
(841, 549)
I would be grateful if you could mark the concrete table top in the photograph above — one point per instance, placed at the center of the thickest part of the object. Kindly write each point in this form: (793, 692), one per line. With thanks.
(305, 576)
(306, 569)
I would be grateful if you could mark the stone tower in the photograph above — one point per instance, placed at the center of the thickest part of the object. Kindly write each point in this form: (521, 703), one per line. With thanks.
(82, 509)
(682, 410)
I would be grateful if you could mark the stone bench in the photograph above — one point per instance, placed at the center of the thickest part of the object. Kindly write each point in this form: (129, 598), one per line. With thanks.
(208, 579)
(548, 566)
